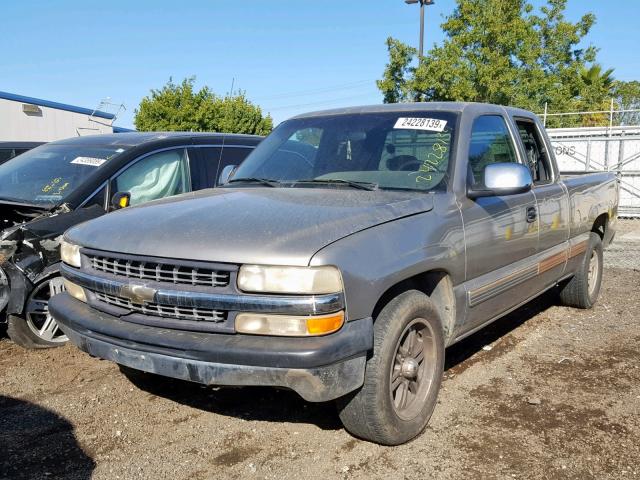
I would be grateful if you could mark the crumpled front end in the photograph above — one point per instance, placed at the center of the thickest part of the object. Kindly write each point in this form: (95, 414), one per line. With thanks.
(30, 250)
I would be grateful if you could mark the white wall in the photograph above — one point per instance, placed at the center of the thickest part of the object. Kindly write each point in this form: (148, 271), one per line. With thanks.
(52, 124)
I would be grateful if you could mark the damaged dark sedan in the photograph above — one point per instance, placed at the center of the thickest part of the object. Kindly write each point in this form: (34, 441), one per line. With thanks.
(53, 187)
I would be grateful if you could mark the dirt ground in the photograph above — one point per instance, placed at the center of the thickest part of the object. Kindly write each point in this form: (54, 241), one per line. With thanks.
(548, 392)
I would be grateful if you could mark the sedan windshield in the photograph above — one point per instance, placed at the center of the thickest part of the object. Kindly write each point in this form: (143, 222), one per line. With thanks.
(396, 151)
(48, 174)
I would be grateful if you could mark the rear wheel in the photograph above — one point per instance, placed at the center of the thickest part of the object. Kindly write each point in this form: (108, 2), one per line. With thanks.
(403, 376)
(583, 288)
(38, 329)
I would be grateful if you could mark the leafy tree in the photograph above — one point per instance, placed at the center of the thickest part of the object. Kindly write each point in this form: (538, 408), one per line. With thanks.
(595, 94)
(396, 83)
(179, 107)
(594, 76)
(627, 95)
(499, 51)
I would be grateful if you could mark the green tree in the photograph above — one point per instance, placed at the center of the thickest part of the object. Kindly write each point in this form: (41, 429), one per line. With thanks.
(595, 77)
(595, 93)
(396, 83)
(179, 107)
(497, 51)
(627, 95)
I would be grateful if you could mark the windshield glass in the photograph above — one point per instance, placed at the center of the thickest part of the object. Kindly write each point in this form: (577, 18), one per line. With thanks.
(405, 151)
(48, 174)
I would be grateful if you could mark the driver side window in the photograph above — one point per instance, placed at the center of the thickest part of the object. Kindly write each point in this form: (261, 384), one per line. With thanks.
(159, 175)
(490, 143)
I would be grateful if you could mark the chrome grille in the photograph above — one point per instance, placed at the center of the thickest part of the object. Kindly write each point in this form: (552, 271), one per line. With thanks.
(160, 271)
(170, 311)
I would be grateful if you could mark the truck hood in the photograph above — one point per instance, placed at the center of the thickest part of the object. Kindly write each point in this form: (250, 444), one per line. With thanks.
(284, 226)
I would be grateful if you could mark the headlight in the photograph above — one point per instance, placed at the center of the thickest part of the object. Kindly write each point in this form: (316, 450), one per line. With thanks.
(76, 291)
(295, 280)
(288, 325)
(70, 253)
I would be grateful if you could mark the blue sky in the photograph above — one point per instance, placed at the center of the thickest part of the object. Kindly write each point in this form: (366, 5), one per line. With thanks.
(289, 56)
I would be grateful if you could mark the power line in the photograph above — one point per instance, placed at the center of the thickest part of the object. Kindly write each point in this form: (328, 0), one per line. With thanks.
(301, 93)
(322, 102)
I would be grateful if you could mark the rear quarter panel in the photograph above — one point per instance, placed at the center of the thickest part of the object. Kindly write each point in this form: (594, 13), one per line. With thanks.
(591, 195)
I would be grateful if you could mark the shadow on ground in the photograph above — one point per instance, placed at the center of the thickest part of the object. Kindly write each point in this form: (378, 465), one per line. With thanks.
(269, 404)
(249, 403)
(460, 356)
(38, 443)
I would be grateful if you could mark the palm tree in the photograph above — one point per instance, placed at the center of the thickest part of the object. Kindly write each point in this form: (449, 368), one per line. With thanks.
(594, 76)
(598, 87)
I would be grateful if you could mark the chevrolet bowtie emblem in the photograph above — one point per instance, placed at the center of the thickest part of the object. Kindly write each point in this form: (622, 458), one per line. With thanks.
(138, 293)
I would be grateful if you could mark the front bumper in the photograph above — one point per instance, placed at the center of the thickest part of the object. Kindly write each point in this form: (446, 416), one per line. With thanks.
(317, 368)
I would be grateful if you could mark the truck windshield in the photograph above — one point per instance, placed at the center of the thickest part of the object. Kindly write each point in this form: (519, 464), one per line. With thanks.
(48, 174)
(397, 151)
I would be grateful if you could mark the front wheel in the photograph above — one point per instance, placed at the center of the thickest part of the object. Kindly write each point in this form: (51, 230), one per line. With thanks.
(38, 329)
(403, 377)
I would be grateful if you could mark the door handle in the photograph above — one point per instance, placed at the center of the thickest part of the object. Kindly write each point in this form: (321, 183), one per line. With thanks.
(532, 214)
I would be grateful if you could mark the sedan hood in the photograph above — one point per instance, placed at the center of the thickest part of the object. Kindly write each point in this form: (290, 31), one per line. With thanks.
(284, 226)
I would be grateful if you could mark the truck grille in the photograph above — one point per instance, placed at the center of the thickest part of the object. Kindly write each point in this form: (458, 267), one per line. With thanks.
(169, 311)
(160, 271)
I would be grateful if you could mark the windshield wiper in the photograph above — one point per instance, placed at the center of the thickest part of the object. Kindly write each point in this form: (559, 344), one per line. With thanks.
(263, 181)
(338, 181)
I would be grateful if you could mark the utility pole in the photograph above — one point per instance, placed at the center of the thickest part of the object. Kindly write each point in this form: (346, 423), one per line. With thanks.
(423, 3)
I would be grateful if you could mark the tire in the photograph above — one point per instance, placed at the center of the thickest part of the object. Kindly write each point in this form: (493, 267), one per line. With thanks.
(377, 412)
(37, 328)
(583, 288)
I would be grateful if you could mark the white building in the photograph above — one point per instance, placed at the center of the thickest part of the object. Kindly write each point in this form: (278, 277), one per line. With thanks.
(27, 119)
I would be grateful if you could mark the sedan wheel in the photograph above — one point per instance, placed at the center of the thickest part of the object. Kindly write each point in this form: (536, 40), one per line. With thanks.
(38, 317)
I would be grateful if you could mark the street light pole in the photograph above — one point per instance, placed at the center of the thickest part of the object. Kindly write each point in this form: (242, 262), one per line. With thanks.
(423, 3)
(421, 30)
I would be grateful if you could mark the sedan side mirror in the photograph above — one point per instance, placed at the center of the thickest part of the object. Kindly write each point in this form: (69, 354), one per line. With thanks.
(120, 200)
(227, 173)
(503, 179)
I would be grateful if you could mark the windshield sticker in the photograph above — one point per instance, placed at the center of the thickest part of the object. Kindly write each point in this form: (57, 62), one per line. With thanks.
(426, 124)
(93, 162)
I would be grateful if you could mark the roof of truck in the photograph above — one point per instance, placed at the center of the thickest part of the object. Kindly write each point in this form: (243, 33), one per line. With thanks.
(418, 106)
(138, 138)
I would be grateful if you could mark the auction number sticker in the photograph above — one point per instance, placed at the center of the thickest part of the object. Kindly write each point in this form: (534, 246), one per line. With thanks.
(93, 162)
(427, 124)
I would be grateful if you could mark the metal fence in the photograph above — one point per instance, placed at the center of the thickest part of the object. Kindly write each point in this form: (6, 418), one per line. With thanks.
(609, 147)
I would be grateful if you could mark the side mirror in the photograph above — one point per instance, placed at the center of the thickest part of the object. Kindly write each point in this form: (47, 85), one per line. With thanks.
(227, 173)
(503, 179)
(120, 200)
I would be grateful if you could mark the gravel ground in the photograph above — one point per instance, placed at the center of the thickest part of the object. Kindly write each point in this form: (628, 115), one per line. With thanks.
(547, 392)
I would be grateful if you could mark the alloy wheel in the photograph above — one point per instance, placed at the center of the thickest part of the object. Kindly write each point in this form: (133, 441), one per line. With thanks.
(413, 369)
(38, 317)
